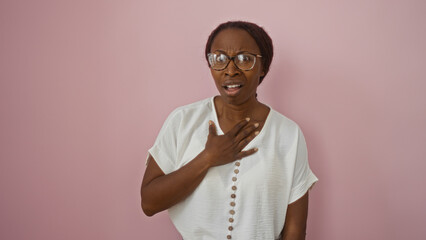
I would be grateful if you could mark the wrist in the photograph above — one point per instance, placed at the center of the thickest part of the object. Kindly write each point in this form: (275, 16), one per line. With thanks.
(206, 158)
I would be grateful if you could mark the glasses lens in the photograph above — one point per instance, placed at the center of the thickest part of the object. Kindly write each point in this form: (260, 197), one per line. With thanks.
(245, 61)
(218, 61)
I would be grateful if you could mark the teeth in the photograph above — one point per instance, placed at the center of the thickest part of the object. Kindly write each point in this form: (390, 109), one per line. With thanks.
(233, 86)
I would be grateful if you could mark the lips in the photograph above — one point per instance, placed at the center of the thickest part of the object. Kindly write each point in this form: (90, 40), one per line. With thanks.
(232, 89)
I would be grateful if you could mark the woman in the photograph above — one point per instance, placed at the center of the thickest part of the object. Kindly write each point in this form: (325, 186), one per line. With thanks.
(246, 174)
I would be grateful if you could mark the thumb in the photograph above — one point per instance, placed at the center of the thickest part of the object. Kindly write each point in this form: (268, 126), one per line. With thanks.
(212, 128)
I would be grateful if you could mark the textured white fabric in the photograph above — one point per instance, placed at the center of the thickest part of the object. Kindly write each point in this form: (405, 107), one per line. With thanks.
(277, 175)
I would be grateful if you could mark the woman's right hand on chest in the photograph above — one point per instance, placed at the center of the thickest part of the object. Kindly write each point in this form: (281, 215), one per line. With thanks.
(223, 149)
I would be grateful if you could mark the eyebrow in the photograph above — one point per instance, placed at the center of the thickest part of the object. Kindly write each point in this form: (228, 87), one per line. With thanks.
(236, 53)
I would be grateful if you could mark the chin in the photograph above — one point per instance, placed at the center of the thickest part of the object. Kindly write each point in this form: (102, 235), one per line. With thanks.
(233, 100)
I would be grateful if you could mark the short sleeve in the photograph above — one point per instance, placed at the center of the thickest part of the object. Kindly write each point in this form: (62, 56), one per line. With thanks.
(164, 150)
(303, 177)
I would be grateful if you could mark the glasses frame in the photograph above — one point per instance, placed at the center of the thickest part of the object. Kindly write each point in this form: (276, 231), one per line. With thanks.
(233, 59)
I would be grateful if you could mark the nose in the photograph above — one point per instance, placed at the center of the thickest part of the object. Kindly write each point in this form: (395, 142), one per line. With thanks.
(232, 70)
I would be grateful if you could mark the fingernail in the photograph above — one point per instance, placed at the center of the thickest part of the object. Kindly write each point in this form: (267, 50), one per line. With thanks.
(255, 149)
(210, 122)
(248, 119)
(256, 125)
(256, 133)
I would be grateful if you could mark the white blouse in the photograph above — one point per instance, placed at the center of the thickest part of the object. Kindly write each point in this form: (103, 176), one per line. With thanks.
(245, 199)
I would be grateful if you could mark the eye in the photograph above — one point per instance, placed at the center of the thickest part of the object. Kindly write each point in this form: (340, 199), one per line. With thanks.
(244, 58)
(221, 58)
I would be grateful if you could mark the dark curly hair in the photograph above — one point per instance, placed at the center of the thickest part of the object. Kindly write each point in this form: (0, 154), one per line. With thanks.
(263, 41)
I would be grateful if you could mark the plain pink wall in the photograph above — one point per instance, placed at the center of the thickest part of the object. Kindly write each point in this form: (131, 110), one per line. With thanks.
(86, 85)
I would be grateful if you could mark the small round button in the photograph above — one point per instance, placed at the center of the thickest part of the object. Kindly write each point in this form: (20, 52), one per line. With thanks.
(230, 228)
(228, 237)
(236, 171)
(233, 204)
(237, 163)
(233, 195)
(234, 188)
(231, 220)
(234, 179)
(232, 212)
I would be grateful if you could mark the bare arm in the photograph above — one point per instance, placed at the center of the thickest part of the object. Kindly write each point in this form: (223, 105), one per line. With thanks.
(296, 218)
(160, 191)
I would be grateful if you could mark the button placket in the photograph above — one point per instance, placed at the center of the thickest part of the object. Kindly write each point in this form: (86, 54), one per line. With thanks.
(232, 204)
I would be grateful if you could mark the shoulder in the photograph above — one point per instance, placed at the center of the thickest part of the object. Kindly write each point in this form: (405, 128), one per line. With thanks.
(191, 110)
(281, 122)
(283, 131)
(200, 105)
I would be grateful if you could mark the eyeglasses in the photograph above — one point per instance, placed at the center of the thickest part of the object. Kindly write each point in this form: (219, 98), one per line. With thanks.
(243, 61)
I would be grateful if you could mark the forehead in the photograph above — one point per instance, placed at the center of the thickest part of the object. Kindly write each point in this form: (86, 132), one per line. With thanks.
(233, 41)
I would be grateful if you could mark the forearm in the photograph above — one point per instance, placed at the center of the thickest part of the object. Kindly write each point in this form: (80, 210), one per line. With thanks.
(296, 219)
(293, 236)
(166, 191)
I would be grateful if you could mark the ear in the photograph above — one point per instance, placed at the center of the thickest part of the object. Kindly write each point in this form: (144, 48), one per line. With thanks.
(262, 73)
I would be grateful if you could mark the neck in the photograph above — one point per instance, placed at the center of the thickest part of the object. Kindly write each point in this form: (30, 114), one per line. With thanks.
(237, 112)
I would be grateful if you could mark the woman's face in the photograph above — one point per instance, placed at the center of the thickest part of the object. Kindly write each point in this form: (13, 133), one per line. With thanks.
(232, 42)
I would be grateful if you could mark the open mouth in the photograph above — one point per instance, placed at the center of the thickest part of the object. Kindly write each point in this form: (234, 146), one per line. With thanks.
(232, 89)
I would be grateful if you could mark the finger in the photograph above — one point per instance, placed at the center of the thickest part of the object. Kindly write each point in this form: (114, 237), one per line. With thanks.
(249, 152)
(234, 131)
(212, 128)
(246, 131)
(243, 143)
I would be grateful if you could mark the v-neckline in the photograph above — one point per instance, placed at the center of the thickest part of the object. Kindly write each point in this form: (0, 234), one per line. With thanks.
(219, 128)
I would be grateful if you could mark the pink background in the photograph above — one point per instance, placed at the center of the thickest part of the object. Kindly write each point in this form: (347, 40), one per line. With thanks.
(86, 85)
